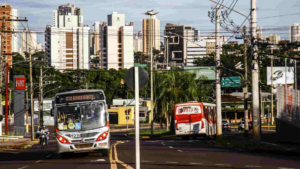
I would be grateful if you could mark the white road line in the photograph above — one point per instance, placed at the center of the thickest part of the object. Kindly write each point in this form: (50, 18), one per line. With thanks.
(23, 167)
(228, 165)
(285, 168)
(195, 163)
(38, 161)
(253, 166)
(171, 162)
(48, 156)
(171, 147)
(180, 151)
(145, 161)
(98, 160)
(270, 143)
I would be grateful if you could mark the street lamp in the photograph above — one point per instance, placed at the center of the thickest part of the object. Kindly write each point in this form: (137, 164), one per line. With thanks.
(151, 14)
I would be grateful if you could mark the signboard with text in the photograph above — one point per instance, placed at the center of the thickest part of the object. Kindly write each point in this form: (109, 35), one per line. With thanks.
(20, 83)
(231, 81)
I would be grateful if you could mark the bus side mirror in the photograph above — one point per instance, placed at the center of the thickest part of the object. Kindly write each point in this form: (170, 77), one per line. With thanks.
(51, 113)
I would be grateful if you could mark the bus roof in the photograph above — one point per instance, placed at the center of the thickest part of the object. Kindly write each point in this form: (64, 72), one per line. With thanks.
(195, 103)
(80, 91)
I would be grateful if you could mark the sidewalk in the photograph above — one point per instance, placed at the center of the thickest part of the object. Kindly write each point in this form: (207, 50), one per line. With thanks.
(16, 144)
(268, 144)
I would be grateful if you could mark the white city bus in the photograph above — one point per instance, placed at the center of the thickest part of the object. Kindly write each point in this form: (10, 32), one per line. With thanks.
(81, 121)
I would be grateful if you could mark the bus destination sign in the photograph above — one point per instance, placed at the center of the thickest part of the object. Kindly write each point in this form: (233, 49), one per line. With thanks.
(78, 97)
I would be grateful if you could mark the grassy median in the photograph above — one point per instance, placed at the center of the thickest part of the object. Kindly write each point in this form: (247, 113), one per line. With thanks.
(156, 133)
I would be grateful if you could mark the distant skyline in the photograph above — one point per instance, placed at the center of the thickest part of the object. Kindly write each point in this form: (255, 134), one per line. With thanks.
(187, 12)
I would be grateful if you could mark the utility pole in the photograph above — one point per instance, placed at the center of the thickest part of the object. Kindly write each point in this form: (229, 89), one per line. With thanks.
(31, 97)
(151, 57)
(151, 13)
(6, 100)
(296, 77)
(272, 120)
(286, 88)
(41, 117)
(26, 108)
(246, 132)
(218, 80)
(255, 75)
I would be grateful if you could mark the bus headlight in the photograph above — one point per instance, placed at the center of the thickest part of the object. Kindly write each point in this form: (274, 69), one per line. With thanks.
(62, 139)
(103, 136)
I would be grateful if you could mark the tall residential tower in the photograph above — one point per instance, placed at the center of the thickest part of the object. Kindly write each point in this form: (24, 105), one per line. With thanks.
(155, 34)
(67, 40)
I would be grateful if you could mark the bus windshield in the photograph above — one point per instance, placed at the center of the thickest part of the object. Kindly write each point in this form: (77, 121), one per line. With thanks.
(87, 116)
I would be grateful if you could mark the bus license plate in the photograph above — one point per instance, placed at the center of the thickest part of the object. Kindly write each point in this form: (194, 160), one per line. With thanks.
(75, 135)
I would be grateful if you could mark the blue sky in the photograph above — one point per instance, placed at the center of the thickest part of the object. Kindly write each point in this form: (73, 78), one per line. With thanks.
(189, 12)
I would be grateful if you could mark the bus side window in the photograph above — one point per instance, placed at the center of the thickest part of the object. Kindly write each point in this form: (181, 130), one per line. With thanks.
(205, 112)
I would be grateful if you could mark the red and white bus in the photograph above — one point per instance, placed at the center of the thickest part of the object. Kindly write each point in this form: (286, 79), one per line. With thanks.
(194, 119)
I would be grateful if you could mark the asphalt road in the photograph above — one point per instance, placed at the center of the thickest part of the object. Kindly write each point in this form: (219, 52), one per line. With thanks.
(169, 153)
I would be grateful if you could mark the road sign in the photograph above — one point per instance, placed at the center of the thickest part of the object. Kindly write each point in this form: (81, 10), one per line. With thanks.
(143, 78)
(231, 82)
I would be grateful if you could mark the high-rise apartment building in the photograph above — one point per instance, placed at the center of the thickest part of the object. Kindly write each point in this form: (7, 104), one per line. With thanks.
(67, 40)
(118, 43)
(202, 48)
(6, 40)
(29, 41)
(273, 39)
(259, 33)
(179, 35)
(15, 39)
(113, 42)
(138, 42)
(155, 35)
(294, 32)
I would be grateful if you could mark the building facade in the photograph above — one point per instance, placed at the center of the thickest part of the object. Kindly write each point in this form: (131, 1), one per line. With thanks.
(201, 48)
(273, 39)
(178, 37)
(294, 32)
(155, 36)
(15, 39)
(112, 42)
(6, 40)
(138, 42)
(67, 40)
(119, 43)
(259, 33)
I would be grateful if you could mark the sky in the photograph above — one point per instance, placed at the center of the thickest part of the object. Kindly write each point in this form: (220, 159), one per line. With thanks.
(186, 12)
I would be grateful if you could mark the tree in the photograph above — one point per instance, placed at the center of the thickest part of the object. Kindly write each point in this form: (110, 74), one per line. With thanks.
(205, 61)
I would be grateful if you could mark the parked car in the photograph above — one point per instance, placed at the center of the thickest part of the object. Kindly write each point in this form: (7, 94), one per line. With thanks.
(241, 125)
(226, 125)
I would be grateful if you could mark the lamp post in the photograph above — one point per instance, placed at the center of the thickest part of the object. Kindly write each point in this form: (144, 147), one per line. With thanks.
(151, 14)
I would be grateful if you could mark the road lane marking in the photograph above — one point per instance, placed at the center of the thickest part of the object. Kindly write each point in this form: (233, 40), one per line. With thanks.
(38, 161)
(98, 160)
(172, 162)
(253, 166)
(113, 164)
(180, 151)
(117, 159)
(195, 163)
(171, 147)
(23, 167)
(228, 165)
(145, 161)
(48, 156)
